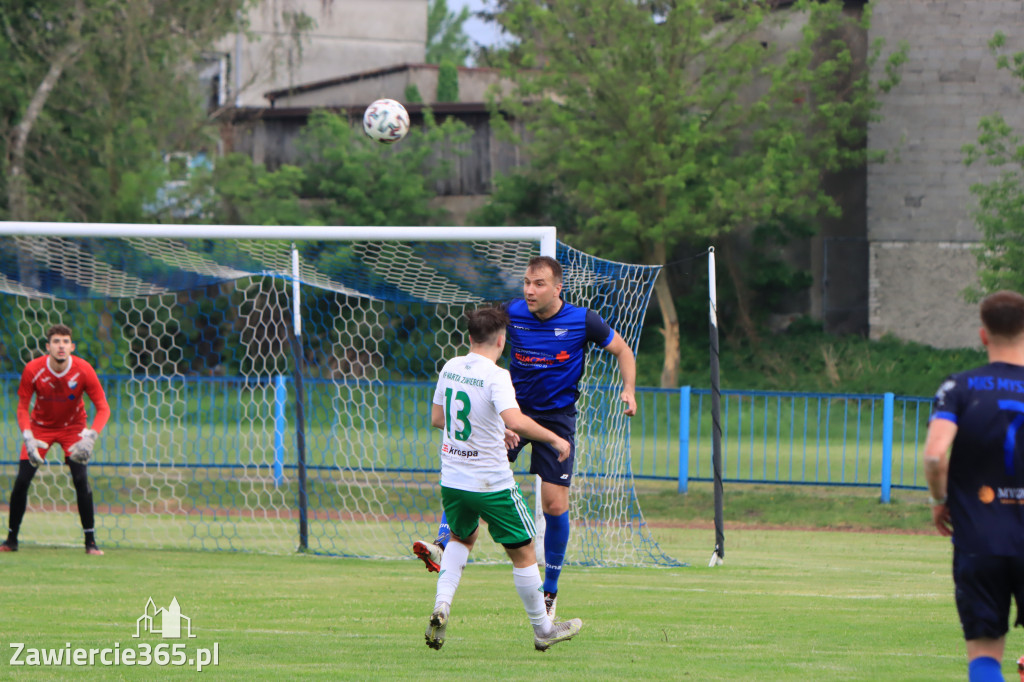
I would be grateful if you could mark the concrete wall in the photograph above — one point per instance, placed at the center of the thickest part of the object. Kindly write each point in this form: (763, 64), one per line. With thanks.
(350, 36)
(919, 203)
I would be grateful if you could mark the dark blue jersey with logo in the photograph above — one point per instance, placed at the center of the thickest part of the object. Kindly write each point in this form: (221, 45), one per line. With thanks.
(986, 465)
(548, 357)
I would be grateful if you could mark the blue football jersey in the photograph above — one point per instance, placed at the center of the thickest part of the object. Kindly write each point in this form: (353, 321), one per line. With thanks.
(986, 465)
(548, 357)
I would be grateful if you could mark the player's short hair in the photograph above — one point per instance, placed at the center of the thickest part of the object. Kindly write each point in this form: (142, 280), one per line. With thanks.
(486, 323)
(546, 262)
(1002, 313)
(57, 330)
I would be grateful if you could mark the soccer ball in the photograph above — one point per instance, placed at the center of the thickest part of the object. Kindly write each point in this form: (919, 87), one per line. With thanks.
(386, 121)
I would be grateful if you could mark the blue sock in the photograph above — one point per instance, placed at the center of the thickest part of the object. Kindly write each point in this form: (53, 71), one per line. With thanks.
(444, 533)
(556, 539)
(984, 669)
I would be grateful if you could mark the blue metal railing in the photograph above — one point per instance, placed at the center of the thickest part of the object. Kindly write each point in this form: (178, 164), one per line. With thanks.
(867, 440)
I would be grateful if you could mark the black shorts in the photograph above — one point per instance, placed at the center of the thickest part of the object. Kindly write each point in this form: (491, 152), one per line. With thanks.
(543, 458)
(984, 586)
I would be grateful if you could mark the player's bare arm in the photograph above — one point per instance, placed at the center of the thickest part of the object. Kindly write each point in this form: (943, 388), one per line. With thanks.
(518, 422)
(627, 370)
(941, 433)
(437, 416)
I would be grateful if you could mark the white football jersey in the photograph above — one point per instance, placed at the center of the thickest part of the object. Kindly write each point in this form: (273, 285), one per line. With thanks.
(474, 392)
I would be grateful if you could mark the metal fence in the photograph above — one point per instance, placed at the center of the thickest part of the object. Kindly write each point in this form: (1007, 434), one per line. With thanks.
(867, 440)
(833, 439)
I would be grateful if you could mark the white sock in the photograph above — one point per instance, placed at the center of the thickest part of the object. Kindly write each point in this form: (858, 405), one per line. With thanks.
(531, 591)
(452, 562)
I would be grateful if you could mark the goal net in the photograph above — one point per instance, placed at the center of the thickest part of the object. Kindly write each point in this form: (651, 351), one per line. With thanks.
(192, 330)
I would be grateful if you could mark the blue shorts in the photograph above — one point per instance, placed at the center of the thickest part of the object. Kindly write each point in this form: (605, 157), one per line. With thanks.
(543, 459)
(984, 586)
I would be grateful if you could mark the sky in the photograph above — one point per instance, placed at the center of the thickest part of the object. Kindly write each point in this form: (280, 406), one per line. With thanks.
(478, 31)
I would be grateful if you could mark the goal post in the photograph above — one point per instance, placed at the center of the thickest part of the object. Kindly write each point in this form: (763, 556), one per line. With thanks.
(270, 386)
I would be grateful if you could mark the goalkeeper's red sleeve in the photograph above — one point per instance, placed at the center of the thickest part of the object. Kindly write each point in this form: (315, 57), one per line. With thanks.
(25, 390)
(94, 390)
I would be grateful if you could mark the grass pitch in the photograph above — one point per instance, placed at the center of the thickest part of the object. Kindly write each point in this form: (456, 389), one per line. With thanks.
(787, 605)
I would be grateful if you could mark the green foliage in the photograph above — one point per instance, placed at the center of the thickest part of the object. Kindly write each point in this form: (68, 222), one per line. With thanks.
(352, 180)
(341, 178)
(246, 193)
(522, 199)
(1000, 211)
(447, 82)
(446, 37)
(109, 97)
(412, 94)
(669, 127)
(804, 358)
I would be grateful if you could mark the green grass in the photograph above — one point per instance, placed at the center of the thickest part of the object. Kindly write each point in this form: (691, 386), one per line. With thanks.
(778, 506)
(787, 605)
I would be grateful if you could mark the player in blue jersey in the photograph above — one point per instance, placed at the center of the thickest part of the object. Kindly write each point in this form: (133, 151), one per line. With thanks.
(978, 491)
(475, 406)
(549, 340)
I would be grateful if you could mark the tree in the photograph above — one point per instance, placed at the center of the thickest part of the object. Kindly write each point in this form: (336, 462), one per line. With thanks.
(97, 91)
(447, 82)
(679, 122)
(1000, 211)
(446, 39)
(341, 177)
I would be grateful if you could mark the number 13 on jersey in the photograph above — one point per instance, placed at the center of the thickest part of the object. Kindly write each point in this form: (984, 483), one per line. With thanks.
(461, 415)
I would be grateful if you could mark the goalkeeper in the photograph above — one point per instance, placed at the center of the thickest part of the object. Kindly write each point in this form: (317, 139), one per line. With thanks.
(58, 380)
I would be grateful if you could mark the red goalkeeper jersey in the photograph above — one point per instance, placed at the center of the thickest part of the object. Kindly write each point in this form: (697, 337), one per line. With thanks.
(59, 401)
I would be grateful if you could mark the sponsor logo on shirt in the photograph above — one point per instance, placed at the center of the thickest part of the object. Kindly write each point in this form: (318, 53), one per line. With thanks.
(74, 381)
(527, 359)
(988, 495)
(561, 332)
(988, 383)
(455, 452)
(472, 381)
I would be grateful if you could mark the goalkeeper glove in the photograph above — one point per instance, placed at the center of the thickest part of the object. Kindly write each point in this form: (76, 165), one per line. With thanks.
(33, 446)
(82, 450)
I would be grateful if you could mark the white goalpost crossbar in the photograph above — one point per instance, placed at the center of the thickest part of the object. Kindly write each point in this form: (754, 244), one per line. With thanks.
(545, 236)
(268, 375)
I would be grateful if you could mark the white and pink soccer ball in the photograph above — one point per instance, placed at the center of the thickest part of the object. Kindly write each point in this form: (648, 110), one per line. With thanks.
(386, 121)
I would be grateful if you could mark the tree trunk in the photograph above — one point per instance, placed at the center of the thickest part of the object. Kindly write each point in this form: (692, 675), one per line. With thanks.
(656, 254)
(670, 330)
(17, 182)
(744, 299)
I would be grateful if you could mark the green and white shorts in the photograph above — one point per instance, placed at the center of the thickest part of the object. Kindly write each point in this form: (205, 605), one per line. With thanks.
(508, 517)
